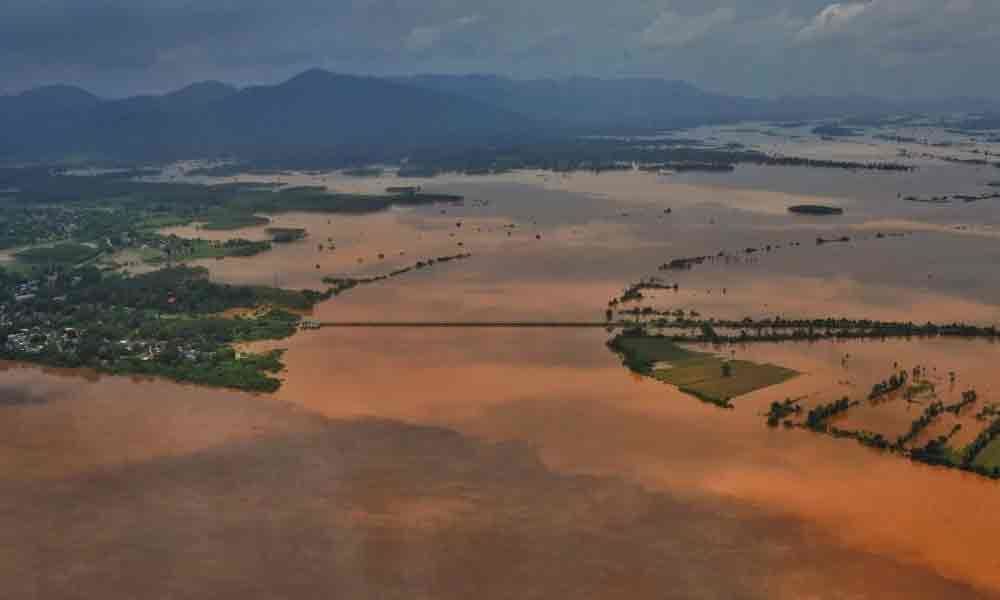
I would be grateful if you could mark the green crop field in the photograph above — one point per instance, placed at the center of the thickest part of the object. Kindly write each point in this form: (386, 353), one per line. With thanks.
(706, 380)
(225, 221)
(705, 376)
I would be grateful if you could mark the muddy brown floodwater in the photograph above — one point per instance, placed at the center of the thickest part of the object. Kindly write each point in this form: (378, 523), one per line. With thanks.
(496, 463)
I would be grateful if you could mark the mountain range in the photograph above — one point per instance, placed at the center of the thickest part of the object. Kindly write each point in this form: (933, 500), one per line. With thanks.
(355, 118)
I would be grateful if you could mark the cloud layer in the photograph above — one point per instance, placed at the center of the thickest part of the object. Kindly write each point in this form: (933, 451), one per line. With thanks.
(765, 47)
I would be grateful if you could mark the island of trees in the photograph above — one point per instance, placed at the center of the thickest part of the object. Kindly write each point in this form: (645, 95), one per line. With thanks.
(815, 210)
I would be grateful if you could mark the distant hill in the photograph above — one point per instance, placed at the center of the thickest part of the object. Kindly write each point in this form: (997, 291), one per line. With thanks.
(320, 117)
(318, 110)
(648, 104)
(313, 114)
(30, 121)
(47, 100)
(200, 94)
(604, 104)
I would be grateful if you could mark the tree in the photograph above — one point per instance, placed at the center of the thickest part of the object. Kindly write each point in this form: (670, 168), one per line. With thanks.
(727, 369)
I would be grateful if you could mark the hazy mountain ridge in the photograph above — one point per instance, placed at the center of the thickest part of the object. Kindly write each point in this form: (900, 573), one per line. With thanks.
(314, 112)
(318, 114)
(585, 102)
(637, 103)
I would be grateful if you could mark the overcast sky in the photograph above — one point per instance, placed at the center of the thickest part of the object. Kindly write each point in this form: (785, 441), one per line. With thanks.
(927, 48)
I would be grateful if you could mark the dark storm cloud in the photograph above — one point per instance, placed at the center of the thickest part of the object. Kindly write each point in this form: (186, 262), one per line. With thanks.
(762, 47)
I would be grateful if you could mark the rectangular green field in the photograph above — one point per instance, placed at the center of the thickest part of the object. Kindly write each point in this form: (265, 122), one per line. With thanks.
(704, 378)
(708, 377)
(690, 371)
(746, 377)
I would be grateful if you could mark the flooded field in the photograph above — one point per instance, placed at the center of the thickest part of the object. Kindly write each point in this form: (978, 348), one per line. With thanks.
(404, 462)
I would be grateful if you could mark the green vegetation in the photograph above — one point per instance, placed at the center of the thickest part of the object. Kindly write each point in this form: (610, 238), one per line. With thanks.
(968, 397)
(251, 372)
(884, 388)
(716, 380)
(780, 411)
(933, 410)
(58, 308)
(989, 457)
(227, 220)
(186, 290)
(918, 388)
(178, 249)
(114, 211)
(601, 155)
(818, 416)
(285, 235)
(163, 323)
(972, 457)
(704, 376)
(834, 131)
(708, 380)
(815, 209)
(312, 199)
(61, 254)
(342, 284)
(640, 352)
(161, 221)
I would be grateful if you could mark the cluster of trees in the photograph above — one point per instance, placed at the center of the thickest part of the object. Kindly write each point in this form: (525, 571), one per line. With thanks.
(640, 351)
(779, 411)
(250, 372)
(634, 291)
(817, 417)
(968, 397)
(177, 248)
(834, 240)
(684, 264)
(936, 451)
(598, 155)
(778, 329)
(883, 388)
(160, 323)
(342, 284)
(988, 412)
(313, 199)
(794, 161)
(184, 289)
(815, 209)
(25, 224)
(688, 263)
(930, 413)
(865, 438)
(285, 235)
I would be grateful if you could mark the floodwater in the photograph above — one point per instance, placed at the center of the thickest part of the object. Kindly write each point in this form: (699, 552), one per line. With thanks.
(528, 463)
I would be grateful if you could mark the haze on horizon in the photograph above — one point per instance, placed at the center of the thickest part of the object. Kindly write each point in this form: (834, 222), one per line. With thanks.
(890, 48)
